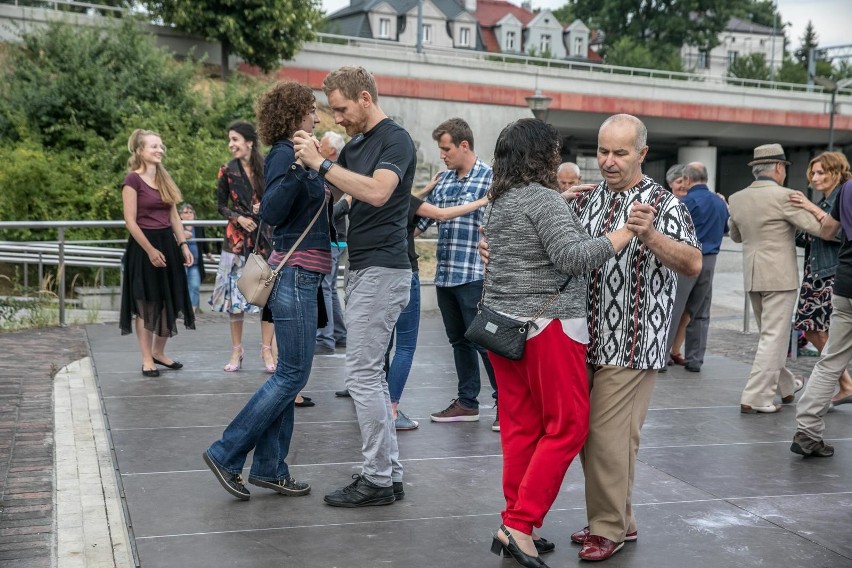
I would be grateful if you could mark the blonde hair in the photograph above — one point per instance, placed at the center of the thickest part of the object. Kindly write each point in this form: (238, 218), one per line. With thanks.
(351, 82)
(166, 186)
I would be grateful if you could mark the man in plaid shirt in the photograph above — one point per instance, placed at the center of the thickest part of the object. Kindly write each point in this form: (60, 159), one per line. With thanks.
(459, 273)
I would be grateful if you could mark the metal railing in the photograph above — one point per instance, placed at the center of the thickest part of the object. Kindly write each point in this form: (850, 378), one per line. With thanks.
(62, 252)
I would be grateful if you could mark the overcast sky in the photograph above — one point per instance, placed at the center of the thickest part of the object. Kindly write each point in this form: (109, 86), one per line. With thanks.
(831, 18)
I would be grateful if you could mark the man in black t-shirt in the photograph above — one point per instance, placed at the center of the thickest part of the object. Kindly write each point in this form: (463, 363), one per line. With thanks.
(837, 353)
(376, 168)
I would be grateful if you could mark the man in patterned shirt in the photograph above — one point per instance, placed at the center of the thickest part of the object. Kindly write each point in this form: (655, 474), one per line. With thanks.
(459, 272)
(630, 304)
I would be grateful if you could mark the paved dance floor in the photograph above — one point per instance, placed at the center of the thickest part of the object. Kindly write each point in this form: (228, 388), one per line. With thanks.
(714, 488)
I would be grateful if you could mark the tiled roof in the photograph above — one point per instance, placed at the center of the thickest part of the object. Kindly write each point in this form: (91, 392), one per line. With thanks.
(489, 39)
(489, 12)
(745, 26)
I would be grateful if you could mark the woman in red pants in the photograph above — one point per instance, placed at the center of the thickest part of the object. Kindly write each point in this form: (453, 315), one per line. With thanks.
(539, 254)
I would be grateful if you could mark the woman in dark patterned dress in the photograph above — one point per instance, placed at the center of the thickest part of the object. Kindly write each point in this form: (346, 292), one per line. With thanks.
(238, 195)
(826, 173)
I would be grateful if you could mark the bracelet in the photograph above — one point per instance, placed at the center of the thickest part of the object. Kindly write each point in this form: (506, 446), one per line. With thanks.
(180, 244)
(821, 219)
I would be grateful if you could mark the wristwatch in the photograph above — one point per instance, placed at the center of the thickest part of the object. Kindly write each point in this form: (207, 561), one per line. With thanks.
(325, 166)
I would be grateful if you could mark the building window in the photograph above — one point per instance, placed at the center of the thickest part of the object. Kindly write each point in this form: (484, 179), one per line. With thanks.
(545, 43)
(732, 56)
(510, 41)
(427, 33)
(578, 47)
(703, 61)
(384, 27)
(464, 37)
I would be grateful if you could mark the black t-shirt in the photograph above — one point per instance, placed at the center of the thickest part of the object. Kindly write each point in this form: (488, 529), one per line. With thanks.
(413, 219)
(377, 235)
(843, 275)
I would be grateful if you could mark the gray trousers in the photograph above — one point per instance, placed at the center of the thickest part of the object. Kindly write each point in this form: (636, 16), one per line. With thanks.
(374, 298)
(823, 382)
(694, 295)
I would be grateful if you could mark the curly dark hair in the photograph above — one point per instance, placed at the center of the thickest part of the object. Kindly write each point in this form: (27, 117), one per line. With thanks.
(527, 151)
(280, 109)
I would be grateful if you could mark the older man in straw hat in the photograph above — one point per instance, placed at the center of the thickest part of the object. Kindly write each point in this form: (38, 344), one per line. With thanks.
(765, 221)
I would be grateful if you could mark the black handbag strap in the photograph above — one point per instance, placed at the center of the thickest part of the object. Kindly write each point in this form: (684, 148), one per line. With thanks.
(546, 305)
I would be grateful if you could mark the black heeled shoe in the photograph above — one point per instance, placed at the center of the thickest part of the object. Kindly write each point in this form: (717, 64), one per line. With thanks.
(175, 364)
(518, 555)
(542, 546)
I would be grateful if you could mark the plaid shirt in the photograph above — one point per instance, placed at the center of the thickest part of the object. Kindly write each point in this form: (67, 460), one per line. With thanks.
(458, 259)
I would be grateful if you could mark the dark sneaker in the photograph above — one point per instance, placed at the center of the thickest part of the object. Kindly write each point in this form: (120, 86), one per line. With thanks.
(403, 422)
(342, 394)
(360, 493)
(495, 426)
(806, 446)
(398, 491)
(232, 482)
(287, 486)
(323, 350)
(455, 412)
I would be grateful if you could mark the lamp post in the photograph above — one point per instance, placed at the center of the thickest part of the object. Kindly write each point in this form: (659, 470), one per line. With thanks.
(539, 104)
(832, 87)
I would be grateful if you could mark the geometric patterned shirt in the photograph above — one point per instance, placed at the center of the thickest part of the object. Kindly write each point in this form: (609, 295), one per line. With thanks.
(631, 295)
(458, 260)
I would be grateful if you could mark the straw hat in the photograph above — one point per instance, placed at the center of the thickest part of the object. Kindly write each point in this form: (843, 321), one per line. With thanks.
(769, 154)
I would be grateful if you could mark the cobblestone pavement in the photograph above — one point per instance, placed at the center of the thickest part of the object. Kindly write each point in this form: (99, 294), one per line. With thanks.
(28, 361)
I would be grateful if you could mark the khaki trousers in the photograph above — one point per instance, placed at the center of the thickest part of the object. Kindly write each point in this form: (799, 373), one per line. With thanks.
(823, 382)
(774, 314)
(619, 399)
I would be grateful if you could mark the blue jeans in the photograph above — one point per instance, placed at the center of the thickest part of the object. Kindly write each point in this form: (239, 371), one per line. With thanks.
(405, 331)
(193, 282)
(265, 424)
(458, 308)
(335, 330)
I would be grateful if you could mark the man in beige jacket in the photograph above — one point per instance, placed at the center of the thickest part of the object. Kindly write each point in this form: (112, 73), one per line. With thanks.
(765, 221)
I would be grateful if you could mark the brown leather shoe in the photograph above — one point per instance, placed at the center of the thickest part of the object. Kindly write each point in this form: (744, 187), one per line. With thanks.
(748, 409)
(597, 548)
(581, 535)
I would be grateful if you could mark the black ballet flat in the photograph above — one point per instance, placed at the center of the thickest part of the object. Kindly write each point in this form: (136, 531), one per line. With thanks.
(542, 546)
(150, 372)
(518, 555)
(306, 403)
(307, 398)
(175, 364)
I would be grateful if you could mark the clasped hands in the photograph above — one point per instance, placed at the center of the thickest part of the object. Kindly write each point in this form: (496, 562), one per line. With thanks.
(306, 148)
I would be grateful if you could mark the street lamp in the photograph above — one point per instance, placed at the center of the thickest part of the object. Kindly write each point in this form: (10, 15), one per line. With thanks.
(539, 104)
(832, 87)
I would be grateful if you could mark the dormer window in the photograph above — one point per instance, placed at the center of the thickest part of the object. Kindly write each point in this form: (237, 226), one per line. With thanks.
(545, 43)
(464, 37)
(510, 41)
(384, 27)
(427, 33)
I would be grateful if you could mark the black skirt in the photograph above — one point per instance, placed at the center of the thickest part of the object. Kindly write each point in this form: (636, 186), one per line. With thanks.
(160, 296)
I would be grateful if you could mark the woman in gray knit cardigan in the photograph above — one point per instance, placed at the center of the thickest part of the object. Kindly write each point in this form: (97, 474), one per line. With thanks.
(536, 243)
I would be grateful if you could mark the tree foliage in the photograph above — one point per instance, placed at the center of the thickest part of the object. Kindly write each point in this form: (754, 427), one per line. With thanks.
(662, 25)
(752, 66)
(69, 98)
(627, 52)
(262, 32)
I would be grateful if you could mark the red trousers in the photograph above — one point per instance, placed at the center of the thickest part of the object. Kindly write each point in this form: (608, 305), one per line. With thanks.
(544, 421)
